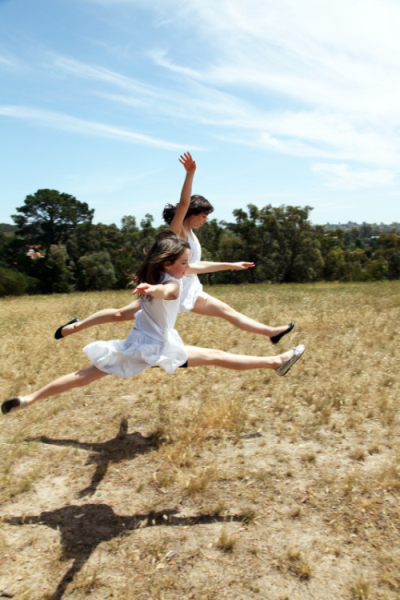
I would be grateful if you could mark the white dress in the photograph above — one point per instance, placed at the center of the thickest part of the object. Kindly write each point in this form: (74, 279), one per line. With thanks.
(153, 342)
(192, 287)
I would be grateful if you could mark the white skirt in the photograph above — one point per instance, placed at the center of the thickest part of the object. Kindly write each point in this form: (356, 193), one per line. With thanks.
(191, 290)
(138, 352)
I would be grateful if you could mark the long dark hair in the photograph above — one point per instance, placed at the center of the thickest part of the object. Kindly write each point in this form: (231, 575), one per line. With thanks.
(167, 247)
(198, 204)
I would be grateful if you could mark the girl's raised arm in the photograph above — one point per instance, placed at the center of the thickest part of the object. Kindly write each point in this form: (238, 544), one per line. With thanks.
(190, 167)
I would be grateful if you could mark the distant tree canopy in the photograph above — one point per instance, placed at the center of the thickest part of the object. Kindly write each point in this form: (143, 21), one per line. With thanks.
(283, 240)
(55, 247)
(96, 272)
(7, 228)
(49, 218)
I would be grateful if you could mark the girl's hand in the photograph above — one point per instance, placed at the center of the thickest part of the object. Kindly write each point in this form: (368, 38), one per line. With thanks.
(187, 161)
(144, 288)
(241, 266)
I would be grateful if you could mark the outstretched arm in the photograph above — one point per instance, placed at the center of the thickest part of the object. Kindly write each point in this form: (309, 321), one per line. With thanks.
(212, 267)
(167, 291)
(190, 167)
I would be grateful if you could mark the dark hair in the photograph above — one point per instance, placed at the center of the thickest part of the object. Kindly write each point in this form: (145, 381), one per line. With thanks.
(167, 247)
(198, 204)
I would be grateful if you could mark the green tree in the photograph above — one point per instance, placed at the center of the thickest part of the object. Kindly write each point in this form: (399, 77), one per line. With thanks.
(209, 236)
(147, 231)
(12, 283)
(12, 251)
(248, 230)
(123, 246)
(376, 270)
(96, 272)
(130, 254)
(281, 241)
(130, 231)
(50, 217)
(296, 248)
(389, 250)
(88, 238)
(54, 275)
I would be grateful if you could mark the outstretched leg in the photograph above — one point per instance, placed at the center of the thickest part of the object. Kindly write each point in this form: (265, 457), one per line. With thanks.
(58, 386)
(198, 357)
(108, 315)
(212, 307)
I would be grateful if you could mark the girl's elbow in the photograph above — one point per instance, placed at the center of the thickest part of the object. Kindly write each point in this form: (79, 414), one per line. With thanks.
(172, 295)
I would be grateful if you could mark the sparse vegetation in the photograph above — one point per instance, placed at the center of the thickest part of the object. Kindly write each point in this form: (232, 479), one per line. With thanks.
(208, 484)
(226, 542)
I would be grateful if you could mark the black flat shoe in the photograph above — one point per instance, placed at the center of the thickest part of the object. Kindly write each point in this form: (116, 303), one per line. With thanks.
(58, 335)
(276, 338)
(9, 404)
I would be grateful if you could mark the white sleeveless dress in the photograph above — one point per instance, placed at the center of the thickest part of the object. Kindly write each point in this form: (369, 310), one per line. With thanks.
(153, 342)
(192, 287)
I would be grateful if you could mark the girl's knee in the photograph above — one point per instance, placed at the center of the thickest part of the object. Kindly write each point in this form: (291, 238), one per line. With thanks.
(88, 373)
(82, 374)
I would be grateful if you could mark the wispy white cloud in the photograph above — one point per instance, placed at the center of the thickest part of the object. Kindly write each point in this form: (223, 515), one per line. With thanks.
(106, 182)
(8, 62)
(342, 176)
(336, 64)
(67, 123)
(89, 72)
(313, 79)
(189, 100)
(160, 58)
(311, 133)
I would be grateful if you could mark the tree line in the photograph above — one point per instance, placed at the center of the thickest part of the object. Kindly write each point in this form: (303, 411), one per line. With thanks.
(55, 247)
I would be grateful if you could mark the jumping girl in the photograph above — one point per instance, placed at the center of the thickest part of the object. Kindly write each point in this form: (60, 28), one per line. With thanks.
(153, 342)
(189, 214)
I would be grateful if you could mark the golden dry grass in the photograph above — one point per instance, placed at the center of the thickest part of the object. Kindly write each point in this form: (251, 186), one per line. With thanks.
(209, 483)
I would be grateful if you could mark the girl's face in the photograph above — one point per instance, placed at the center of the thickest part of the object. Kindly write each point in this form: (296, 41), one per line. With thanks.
(198, 220)
(178, 268)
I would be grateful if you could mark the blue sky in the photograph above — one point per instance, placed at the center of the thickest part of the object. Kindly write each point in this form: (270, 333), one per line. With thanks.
(280, 102)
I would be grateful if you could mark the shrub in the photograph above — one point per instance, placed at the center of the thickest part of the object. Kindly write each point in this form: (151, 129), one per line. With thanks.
(12, 283)
(96, 272)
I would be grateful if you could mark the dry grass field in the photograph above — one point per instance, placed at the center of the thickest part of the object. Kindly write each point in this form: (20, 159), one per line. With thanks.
(207, 484)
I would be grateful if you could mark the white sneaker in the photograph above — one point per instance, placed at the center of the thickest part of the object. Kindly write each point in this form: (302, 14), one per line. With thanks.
(285, 368)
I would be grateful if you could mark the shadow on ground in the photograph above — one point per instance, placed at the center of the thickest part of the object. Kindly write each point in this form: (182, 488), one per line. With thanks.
(125, 446)
(83, 528)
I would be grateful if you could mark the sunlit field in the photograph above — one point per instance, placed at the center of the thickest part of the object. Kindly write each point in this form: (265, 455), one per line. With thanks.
(207, 484)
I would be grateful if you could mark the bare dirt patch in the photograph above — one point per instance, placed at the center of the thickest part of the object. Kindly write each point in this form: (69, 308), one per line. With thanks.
(209, 483)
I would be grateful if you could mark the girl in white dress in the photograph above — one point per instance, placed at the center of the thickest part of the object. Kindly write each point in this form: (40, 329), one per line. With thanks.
(153, 342)
(189, 214)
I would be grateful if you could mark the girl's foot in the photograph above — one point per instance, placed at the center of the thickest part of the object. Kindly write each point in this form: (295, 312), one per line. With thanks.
(59, 334)
(296, 353)
(12, 404)
(276, 338)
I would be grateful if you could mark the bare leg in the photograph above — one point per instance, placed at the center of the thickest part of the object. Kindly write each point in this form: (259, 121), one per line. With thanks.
(212, 307)
(65, 383)
(108, 315)
(198, 357)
